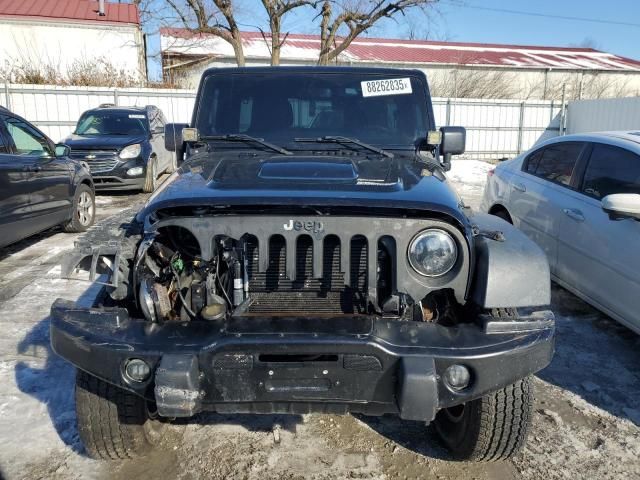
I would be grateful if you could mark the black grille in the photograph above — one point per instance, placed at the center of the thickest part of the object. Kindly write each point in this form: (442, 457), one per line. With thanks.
(272, 292)
(99, 161)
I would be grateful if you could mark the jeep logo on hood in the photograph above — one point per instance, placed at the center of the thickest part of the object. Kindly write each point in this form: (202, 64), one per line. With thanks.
(310, 226)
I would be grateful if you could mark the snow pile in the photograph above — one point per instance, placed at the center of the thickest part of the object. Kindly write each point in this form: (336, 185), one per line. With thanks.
(469, 177)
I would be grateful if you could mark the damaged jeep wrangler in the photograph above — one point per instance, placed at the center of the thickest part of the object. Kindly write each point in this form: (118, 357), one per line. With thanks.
(309, 255)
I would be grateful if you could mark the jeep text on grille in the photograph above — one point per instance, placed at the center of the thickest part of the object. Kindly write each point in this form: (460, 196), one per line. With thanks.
(310, 256)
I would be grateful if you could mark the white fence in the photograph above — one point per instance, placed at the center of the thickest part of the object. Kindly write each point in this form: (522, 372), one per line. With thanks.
(603, 115)
(495, 128)
(55, 110)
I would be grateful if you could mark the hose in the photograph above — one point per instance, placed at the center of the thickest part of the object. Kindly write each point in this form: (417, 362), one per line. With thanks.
(177, 277)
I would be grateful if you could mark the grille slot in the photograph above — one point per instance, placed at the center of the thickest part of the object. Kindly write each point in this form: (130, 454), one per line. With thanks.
(273, 292)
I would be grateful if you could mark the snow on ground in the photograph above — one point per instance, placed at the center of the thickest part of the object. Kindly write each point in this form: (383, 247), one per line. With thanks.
(586, 422)
(469, 177)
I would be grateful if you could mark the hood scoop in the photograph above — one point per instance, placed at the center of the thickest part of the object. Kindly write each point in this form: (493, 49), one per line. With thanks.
(309, 169)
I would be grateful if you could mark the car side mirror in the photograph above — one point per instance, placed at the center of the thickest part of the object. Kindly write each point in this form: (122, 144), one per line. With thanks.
(622, 205)
(453, 142)
(173, 136)
(62, 150)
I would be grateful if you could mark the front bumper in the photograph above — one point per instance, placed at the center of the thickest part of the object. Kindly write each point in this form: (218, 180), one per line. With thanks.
(299, 365)
(117, 178)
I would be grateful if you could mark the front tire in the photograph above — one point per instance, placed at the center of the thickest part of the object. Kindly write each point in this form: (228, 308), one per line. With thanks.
(114, 423)
(84, 210)
(151, 178)
(490, 428)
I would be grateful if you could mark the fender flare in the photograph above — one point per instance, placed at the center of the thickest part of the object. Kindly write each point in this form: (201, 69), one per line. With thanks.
(510, 272)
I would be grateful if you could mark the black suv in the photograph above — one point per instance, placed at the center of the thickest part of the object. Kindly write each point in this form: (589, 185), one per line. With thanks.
(40, 187)
(310, 256)
(123, 146)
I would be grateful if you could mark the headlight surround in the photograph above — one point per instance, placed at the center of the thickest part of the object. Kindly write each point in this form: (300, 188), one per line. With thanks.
(130, 151)
(432, 252)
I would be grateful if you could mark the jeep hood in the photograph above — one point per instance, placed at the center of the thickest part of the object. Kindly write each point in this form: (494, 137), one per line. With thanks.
(304, 180)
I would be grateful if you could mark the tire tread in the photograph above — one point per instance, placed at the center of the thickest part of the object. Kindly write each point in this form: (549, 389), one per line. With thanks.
(496, 425)
(110, 419)
(504, 423)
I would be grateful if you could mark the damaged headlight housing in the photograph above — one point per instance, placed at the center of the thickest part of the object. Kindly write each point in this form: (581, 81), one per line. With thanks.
(131, 151)
(432, 252)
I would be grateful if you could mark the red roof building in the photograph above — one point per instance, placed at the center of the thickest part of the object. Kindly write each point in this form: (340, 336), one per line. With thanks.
(70, 10)
(453, 68)
(69, 36)
(299, 47)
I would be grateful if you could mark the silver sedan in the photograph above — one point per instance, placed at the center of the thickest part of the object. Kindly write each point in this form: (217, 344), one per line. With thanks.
(578, 197)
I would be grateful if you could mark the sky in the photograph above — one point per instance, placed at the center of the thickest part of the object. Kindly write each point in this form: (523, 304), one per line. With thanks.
(616, 29)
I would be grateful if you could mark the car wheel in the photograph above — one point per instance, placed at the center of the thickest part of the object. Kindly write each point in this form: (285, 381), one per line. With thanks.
(84, 210)
(116, 424)
(151, 179)
(490, 428)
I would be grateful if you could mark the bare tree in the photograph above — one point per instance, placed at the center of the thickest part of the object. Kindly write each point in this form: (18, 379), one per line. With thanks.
(471, 83)
(276, 10)
(425, 27)
(214, 17)
(355, 17)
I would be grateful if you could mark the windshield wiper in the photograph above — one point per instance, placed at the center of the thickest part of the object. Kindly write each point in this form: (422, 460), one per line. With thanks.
(239, 137)
(339, 139)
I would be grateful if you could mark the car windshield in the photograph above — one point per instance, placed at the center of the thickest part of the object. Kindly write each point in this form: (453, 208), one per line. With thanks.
(381, 109)
(112, 123)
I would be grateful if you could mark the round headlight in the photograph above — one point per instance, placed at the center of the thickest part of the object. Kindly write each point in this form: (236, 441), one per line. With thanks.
(432, 253)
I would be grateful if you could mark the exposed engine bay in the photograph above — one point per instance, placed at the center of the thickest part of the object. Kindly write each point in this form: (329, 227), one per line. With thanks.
(175, 283)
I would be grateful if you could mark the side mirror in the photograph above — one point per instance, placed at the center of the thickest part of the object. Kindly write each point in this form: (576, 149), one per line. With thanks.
(62, 150)
(622, 205)
(173, 136)
(453, 143)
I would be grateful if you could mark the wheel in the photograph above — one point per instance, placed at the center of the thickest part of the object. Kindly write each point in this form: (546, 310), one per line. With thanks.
(503, 214)
(490, 428)
(151, 179)
(116, 424)
(84, 210)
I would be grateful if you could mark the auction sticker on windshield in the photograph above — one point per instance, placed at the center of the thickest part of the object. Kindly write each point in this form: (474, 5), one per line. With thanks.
(392, 86)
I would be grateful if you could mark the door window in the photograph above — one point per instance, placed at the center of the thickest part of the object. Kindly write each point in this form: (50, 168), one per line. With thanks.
(155, 119)
(27, 140)
(557, 162)
(611, 170)
(533, 161)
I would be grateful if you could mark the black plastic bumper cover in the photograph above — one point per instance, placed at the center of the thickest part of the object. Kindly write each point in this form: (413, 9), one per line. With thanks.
(299, 364)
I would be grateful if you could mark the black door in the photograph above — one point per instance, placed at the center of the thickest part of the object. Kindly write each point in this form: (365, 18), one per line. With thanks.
(15, 222)
(41, 181)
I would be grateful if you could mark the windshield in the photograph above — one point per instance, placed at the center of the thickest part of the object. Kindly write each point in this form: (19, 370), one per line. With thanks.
(281, 107)
(112, 123)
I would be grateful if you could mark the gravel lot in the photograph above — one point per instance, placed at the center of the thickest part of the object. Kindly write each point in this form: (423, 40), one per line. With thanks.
(586, 423)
